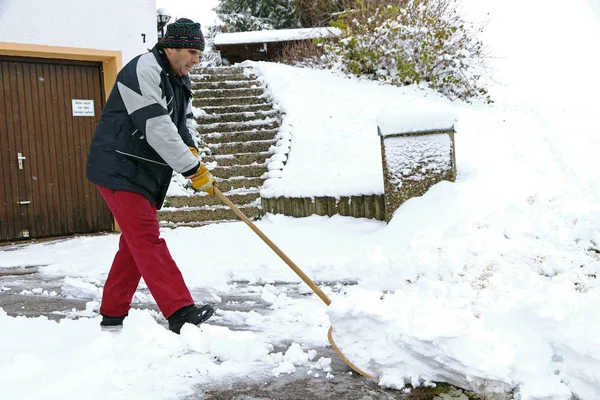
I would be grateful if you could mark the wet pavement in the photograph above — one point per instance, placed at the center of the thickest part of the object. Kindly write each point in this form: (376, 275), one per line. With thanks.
(34, 294)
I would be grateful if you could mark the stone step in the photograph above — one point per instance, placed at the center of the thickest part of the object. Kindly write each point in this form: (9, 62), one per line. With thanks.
(241, 136)
(239, 127)
(251, 84)
(246, 171)
(241, 147)
(222, 77)
(230, 101)
(200, 200)
(237, 108)
(219, 70)
(253, 125)
(238, 159)
(197, 215)
(235, 116)
(246, 184)
(233, 92)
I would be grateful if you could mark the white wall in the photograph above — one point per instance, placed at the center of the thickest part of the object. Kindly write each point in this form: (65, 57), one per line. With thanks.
(99, 24)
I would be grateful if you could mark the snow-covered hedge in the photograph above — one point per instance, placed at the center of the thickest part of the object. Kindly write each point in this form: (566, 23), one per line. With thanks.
(257, 15)
(418, 41)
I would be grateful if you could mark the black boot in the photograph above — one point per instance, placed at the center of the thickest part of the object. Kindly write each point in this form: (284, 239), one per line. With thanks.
(189, 314)
(112, 321)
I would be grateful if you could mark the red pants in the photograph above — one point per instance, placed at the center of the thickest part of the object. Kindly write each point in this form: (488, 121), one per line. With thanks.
(142, 253)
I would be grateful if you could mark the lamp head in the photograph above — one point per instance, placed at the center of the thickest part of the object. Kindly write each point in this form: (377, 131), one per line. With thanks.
(163, 16)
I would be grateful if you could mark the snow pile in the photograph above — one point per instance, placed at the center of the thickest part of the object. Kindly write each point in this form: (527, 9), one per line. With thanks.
(427, 116)
(416, 157)
(524, 342)
(76, 357)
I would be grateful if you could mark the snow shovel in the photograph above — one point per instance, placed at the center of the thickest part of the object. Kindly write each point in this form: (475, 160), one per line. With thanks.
(295, 268)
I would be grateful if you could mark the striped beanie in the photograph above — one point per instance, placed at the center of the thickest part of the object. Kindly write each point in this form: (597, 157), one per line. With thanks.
(183, 34)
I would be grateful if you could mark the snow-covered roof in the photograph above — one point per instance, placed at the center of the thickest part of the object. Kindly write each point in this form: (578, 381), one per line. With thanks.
(278, 35)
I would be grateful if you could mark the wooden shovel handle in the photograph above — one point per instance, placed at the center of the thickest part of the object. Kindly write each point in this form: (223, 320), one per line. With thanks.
(295, 268)
(273, 247)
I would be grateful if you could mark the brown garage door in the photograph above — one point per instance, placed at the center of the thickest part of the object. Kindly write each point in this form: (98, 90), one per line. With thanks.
(44, 139)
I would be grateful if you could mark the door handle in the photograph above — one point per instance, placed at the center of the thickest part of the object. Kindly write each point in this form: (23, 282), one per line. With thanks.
(20, 158)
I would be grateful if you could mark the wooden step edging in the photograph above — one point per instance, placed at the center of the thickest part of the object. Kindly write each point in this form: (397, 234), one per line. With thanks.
(370, 206)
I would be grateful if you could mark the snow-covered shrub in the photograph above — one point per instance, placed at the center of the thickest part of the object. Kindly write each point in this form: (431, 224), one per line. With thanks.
(317, 13)
(256, 15)
(416, 42)
(210, 57)
(299, 53)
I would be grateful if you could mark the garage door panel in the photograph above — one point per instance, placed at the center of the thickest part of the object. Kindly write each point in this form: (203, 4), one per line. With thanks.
(37, 97)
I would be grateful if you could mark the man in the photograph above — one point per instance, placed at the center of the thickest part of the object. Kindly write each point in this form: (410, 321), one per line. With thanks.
(142, 136)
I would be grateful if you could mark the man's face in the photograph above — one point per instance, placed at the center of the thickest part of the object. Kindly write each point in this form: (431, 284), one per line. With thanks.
(182, 60)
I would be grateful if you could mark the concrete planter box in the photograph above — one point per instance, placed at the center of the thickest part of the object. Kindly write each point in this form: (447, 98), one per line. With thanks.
(417, 151)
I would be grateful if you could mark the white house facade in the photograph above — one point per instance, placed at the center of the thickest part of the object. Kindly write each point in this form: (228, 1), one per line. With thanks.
(58, 62)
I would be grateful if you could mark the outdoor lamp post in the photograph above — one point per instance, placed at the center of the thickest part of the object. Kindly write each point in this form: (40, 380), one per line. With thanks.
(162, 17)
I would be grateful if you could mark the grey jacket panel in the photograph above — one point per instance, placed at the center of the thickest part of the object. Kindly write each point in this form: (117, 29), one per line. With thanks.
(159, 130)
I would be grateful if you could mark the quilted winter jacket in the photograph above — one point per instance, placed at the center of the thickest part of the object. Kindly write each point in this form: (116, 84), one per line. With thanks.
(144, 130)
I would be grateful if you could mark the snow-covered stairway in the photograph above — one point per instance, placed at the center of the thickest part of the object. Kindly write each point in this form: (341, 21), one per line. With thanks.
(239, 126)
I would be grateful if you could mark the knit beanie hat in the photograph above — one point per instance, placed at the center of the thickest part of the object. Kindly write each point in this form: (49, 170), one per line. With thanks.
(183, 34)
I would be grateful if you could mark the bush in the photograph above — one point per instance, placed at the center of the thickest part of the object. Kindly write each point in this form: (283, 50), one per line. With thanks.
(256, 15)
(416, 42)
(300, 53)
(317, 13)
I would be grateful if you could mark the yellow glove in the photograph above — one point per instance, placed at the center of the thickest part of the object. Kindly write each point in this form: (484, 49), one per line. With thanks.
(203, 180)
(194, 152)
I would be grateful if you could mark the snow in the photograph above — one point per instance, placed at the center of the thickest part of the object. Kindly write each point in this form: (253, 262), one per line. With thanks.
(340, 143)
(143, 361)
(416, 157)
(278, 35)
(489, 283)
(410, 120)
